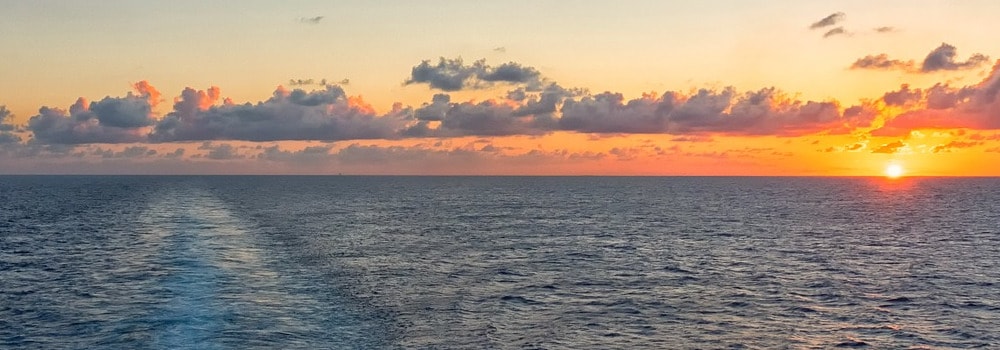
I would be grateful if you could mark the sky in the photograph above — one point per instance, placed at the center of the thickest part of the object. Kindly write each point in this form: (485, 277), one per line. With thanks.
(796, 88)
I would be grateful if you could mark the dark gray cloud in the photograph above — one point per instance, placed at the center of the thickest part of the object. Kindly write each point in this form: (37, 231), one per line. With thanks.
(886, 29)
(545, 102)
(7, 134)
(128, 112)
(836, 31)
(830, 20)
(454, 75)
(943, 58)
(326, 115)
(510, 72)
(434, 111)
(110, 120)
(765, 111)
(487, 118)
(81, 125)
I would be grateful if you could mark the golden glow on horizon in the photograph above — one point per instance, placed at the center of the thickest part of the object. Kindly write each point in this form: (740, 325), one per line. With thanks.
(894, 171)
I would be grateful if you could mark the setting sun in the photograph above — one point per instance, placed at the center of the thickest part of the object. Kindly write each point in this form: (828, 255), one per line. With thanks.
(893, 171)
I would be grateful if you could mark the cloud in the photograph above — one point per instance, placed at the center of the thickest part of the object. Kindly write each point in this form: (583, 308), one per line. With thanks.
(835, 31)
(326, 115)
(941, 58)
(329, 114)
(222, 151)
(487, 118)
(81, 125)
(725, 111)
(889, 148)
(828, 20)
(308, 155)
(948, 147)
(7, 135)
(946, 107)
(177, 153)
(132, 152)
(311, 20)
(886, 29)
(904, 96)
(882, 62)
(454, 75)
(109, 120)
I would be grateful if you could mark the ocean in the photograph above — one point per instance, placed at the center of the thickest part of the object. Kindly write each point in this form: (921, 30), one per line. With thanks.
(372, 262)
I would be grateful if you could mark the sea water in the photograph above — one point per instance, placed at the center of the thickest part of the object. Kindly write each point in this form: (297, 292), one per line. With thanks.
(356, 262)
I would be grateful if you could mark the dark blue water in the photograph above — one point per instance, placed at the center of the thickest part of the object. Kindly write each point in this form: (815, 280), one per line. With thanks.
(509, 262)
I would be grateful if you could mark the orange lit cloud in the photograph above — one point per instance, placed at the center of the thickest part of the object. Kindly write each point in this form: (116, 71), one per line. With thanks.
(537, 121)
(945, 107)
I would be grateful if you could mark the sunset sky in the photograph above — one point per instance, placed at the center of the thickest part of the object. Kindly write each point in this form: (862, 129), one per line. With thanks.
(514, 87)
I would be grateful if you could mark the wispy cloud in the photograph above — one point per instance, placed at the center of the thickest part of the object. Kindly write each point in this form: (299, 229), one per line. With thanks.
(830, 20)
(311, 20)
(835, 32)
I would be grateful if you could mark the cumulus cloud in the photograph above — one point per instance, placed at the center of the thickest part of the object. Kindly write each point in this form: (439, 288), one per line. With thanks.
(945, 107)
(724, 111)
(941, 58)
(830, 20)
(882, 62)
(454, 75)
(329, 114)
(326, 115)
(109, 120)
(766, 111)
(487, 118)
(7, 135)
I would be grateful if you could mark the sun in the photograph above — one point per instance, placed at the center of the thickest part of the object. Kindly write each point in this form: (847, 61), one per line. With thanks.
(894, 171)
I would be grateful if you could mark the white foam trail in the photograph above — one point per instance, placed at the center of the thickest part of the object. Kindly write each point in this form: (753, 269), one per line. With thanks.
(218, 284)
